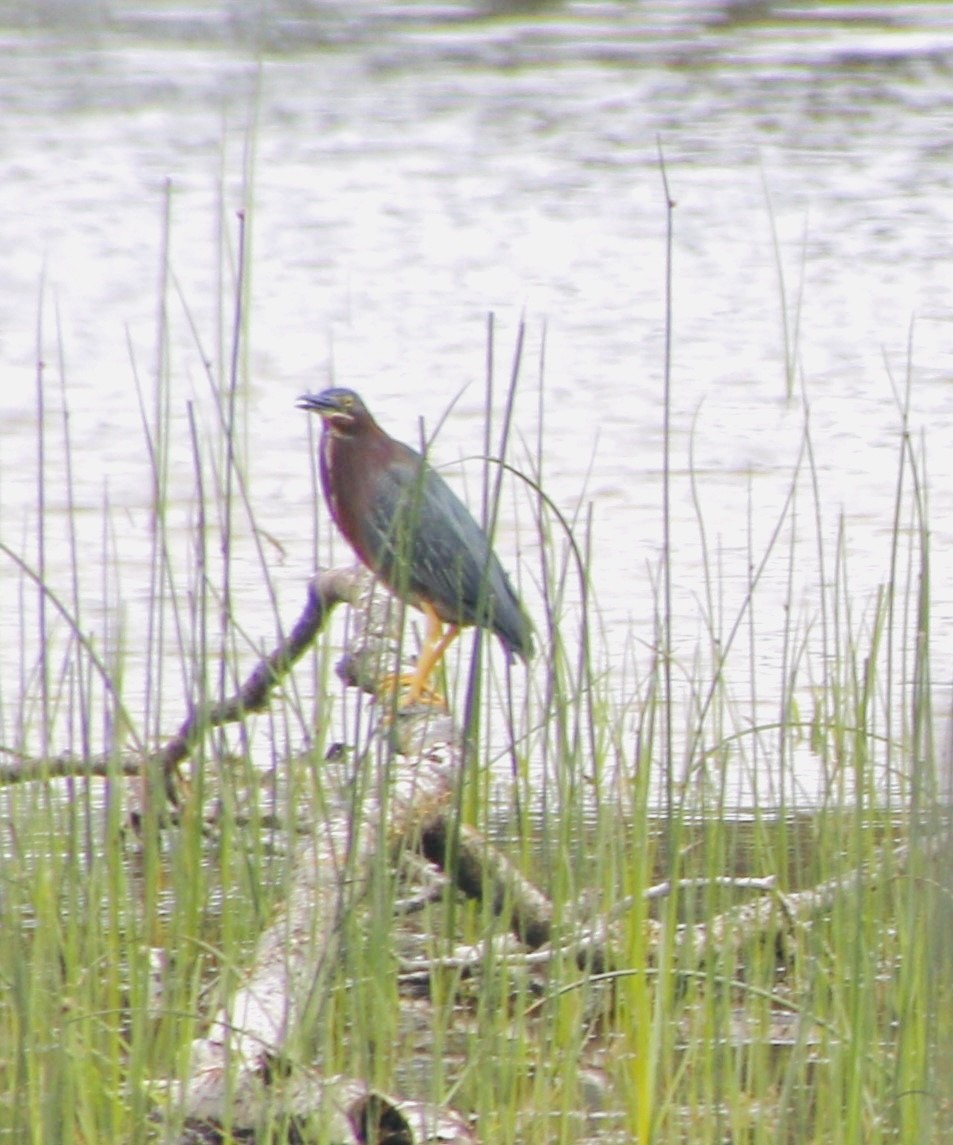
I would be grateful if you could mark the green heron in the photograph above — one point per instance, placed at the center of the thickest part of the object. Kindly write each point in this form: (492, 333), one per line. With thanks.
(411, 530)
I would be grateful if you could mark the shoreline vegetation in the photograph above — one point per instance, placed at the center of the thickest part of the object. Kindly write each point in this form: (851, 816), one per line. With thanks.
(344, 944)
(249, 1076)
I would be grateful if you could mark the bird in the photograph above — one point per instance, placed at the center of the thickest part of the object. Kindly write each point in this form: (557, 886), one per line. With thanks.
(414, 533)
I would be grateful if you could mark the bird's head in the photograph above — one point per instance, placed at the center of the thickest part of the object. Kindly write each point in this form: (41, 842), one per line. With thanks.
(341, 410)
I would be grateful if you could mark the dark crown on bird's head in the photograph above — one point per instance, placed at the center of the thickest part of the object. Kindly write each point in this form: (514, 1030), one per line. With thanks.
(341, 410)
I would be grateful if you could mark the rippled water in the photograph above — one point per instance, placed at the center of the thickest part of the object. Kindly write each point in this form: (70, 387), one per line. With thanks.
(414, 167)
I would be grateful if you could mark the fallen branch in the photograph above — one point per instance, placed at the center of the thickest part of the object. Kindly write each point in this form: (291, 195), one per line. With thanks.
(327, 589)
(477, 867)
(24, 768)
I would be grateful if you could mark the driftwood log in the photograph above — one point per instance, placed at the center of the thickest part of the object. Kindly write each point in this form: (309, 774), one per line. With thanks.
(240, 1070)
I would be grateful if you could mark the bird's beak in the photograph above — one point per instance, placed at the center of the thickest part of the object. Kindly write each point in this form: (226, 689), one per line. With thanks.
(315, 403)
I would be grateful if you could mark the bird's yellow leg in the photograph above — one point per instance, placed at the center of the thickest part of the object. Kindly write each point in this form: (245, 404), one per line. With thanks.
(436, 642)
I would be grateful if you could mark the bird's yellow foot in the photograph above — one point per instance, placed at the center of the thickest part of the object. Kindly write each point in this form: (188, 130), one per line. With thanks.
(411, 692)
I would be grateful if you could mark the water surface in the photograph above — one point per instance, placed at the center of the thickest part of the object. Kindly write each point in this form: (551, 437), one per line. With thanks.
(406, 170)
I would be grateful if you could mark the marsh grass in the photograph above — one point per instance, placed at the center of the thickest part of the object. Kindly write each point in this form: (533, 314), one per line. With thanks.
(117, 944)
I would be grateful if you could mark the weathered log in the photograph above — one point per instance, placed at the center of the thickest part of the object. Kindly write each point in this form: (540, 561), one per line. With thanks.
(310, 1106)
(773, 917)
(477, 867)
(244, 1064)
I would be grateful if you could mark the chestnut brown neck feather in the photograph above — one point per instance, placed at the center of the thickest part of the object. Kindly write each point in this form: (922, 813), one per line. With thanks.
(346, 463)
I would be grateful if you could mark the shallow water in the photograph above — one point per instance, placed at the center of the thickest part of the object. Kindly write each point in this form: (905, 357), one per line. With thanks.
(413, 168)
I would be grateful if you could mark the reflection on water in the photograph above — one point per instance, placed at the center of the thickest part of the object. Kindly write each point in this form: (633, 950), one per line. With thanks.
(411, 168)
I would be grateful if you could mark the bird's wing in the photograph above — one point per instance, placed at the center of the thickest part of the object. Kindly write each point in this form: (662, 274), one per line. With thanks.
(431, 548)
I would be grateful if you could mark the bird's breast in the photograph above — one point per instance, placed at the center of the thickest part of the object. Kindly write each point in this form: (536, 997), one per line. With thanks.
(328, 480)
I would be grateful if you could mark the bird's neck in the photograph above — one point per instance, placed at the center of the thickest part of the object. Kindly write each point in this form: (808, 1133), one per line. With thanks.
(337, 459)
(348, 468)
